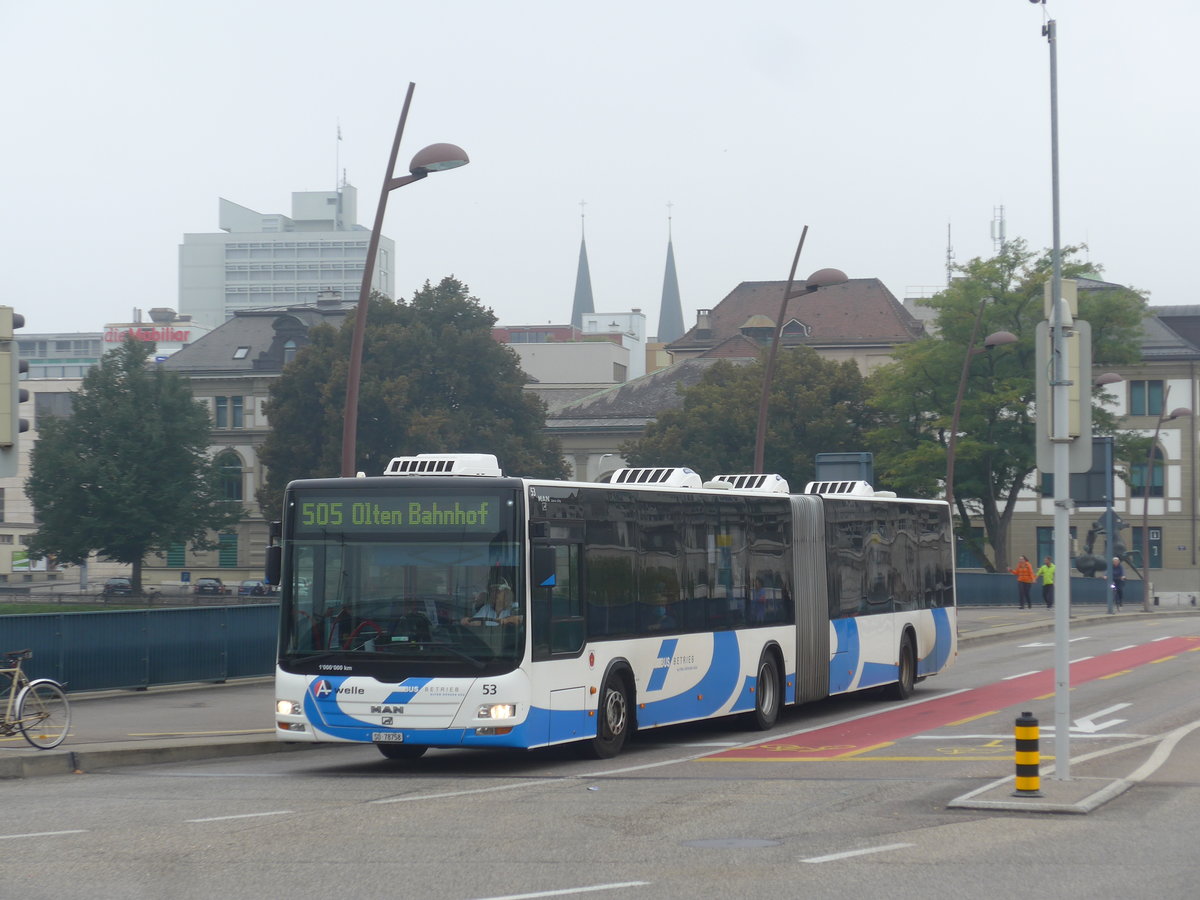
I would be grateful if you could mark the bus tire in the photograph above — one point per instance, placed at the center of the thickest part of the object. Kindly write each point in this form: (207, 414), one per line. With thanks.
(767, 693)
(614, 719)
(906, 674)
(401, 751)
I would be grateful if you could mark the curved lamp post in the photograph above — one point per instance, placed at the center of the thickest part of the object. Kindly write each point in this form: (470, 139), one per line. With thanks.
(1178, 413)
(818, 279)
(995, 339)
(434, 158)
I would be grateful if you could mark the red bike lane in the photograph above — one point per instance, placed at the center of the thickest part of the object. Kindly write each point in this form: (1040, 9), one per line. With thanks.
(859, 736)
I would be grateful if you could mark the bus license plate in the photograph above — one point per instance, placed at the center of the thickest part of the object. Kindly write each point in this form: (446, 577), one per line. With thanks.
(387, 737)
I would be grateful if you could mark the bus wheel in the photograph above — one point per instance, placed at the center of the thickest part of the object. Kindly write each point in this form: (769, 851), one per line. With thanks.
(401, 751)
(906, 676)
(614, 720)
(766, 694)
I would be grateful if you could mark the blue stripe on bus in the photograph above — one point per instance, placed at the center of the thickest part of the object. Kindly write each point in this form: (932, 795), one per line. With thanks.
(658, 676)
(406, 690)
(943, 641)
(845, 660)
(707, 696)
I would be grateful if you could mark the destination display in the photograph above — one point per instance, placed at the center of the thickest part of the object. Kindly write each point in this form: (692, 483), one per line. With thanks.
(401, 513)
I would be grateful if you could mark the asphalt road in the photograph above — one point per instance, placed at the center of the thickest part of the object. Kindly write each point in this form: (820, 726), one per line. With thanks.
(700, 811)
(211, 720)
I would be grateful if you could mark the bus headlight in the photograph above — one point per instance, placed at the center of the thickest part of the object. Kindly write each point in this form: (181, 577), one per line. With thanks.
(287, 708)
(497, 711)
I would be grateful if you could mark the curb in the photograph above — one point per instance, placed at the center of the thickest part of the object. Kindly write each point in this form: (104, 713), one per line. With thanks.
(1002, 632)
(108, 756)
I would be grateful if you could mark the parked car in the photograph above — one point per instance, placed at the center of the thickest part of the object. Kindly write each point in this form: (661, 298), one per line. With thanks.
(255, 588)
(210, 586)
(118, 587)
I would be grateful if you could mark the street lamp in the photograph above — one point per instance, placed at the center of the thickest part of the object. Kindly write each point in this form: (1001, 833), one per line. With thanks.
(434, 158)
(995, 339)
(1177, 413)
(819, 279)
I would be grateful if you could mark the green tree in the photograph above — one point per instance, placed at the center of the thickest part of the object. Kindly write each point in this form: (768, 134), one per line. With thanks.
(816, 406)
(433, 380)
(996, 448)
(128, 472)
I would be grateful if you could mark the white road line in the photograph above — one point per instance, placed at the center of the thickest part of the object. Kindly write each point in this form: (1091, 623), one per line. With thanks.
(579, 890)
(849, 853)
(1126, 647)
(277, 812)
(1022, 675)
(33, 834)
(487, 790)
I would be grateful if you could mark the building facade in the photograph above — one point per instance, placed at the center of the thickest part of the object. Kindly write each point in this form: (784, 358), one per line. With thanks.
(270, 261)
(231, 372)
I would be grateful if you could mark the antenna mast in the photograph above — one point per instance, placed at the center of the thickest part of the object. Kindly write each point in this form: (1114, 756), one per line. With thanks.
(999, 237)
(949, 257)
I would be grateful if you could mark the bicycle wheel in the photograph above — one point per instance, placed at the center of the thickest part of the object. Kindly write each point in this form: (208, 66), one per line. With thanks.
(43, 713)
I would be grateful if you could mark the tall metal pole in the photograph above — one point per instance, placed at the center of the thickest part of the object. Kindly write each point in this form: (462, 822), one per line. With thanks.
(354, 373)
(1110, 534)
(1163, 416)
(760, 436)
(952, 443)
(1062, 455)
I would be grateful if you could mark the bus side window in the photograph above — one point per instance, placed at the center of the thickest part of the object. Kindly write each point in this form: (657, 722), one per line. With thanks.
(557, 600)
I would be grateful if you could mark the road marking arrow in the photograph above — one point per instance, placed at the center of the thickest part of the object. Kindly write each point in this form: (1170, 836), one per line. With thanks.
(1089, 725)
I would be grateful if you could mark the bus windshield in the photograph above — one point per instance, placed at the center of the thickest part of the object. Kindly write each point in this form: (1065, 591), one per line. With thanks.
(423, 575)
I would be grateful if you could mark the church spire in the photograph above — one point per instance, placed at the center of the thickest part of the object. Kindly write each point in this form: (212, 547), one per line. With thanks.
(583, 279)
(670, 313)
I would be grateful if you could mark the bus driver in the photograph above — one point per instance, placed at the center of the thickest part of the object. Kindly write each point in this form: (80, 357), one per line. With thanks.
(498, 607)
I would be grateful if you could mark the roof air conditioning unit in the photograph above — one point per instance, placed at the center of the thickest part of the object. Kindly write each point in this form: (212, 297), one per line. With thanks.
(679, 477)
(840, 488)
(445, 464)
(770, 483)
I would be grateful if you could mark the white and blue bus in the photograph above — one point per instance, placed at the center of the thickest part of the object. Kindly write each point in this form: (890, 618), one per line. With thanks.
(446, 605)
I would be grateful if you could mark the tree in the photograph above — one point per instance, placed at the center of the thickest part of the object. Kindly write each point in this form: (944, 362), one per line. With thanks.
(995, 452)
(128, 472)
(816, 406)
(433, 380)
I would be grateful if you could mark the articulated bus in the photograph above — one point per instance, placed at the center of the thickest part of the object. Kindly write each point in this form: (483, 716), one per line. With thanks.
(444, 604)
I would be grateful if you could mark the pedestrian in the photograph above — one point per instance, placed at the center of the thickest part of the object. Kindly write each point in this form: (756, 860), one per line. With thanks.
(1118, 581)
(1025, 579)
(1046, 573)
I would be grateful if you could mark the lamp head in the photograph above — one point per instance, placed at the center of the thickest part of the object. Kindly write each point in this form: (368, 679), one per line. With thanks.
(999, 338)
(825, 278)
(437, 158)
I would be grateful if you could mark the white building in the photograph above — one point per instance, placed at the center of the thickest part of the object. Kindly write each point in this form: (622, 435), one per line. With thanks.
(631, 326)
(272, 261)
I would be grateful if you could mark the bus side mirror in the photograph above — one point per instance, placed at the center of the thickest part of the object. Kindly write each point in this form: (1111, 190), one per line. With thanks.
(274, 564)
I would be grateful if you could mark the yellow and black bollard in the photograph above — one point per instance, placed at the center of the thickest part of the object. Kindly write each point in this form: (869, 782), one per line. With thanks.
(1027, 757)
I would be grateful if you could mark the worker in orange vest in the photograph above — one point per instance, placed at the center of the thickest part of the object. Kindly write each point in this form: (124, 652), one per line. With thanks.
(1025, 579)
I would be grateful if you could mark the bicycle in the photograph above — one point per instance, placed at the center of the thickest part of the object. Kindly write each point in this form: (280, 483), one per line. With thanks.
(36, 707)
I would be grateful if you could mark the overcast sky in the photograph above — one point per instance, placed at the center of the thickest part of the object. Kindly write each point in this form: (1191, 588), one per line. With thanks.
(878, 123)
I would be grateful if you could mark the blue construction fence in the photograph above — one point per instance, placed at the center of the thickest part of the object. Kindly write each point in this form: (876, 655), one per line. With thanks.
(988, 589)
(137, 648)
